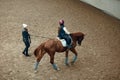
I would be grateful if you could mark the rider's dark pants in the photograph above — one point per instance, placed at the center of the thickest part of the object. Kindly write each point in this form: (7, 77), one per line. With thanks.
(67, 38)
(27, 44)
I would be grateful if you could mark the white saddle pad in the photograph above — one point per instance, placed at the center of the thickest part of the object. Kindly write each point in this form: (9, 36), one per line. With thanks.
(63, 41)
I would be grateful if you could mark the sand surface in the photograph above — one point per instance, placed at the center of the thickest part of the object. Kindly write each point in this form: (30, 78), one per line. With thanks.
(98, 56)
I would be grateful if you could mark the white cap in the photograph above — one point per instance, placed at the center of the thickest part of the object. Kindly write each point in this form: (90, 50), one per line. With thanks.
(24, 25)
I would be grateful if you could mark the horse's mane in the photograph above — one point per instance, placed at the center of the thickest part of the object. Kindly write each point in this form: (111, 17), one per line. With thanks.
(77, 34)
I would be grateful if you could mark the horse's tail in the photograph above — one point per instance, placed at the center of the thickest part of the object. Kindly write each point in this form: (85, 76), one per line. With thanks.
(37, 50)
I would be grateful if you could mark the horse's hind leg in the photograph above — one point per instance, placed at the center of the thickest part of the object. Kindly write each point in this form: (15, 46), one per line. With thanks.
(52, 61)
(38, 60)
(75, 57)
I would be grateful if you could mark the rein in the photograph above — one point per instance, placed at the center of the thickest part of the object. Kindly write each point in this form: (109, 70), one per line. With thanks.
(41, 36)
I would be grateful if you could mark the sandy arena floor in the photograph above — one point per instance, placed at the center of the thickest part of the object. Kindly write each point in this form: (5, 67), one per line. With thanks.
(99, 54)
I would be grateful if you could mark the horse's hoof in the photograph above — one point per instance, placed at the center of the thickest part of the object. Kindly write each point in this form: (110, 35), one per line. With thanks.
(58, 69)
(67, 65)
(35, 71)
(72, 63)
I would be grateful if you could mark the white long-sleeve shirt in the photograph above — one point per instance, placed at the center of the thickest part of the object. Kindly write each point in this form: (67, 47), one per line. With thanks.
(65, 29)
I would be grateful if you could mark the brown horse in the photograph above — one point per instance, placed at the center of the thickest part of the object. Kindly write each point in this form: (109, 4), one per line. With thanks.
(54, 45)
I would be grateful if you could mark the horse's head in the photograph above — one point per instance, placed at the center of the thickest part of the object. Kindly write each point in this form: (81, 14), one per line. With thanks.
(78, 37)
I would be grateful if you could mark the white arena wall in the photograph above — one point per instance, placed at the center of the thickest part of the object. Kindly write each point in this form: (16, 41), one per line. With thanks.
(111, 7)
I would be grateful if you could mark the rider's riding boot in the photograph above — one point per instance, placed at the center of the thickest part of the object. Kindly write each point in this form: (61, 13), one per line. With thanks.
(69, 46)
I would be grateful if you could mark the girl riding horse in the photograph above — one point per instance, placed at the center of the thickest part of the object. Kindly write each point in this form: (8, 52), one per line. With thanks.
(63, 33)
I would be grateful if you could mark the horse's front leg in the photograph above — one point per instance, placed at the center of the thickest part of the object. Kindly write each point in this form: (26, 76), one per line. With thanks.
(52, 61)
(75, 56)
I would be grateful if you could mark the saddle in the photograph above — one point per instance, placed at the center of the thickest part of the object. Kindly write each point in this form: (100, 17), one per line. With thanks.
(63, 41)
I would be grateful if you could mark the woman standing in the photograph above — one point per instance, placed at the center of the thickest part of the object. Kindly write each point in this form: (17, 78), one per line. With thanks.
(26, 39)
